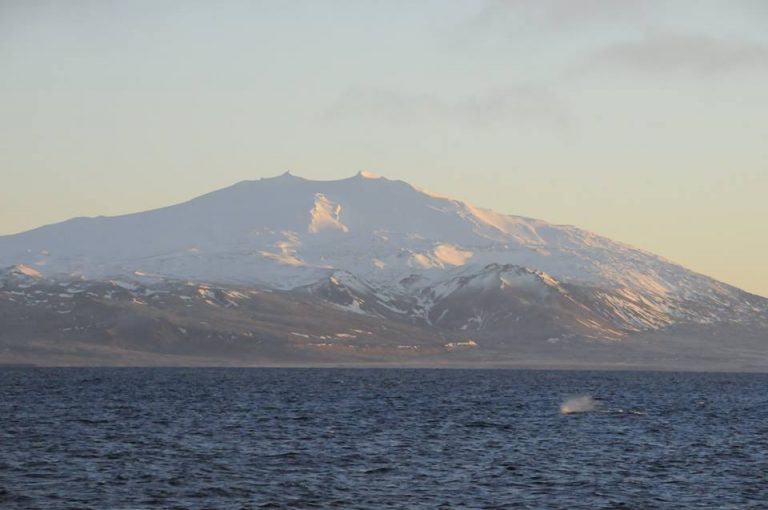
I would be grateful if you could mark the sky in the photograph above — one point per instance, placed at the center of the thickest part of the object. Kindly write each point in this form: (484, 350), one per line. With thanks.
(644, 121)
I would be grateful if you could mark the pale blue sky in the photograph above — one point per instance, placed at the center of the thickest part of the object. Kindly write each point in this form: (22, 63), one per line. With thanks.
(645, 121)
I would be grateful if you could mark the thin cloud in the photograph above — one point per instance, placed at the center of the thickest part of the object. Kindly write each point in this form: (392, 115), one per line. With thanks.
(568, 12)
(674, 54)
(530, 105)
(557, 14)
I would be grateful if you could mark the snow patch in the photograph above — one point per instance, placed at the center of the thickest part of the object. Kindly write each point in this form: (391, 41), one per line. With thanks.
(451, 255)
(467, 344)
(286, 253)
(325, 215)
(28, 271)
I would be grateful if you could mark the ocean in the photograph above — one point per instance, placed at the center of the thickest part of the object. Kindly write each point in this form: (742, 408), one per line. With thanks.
(130, 438)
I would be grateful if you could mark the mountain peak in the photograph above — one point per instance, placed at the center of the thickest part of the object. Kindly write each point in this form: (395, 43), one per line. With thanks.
(289, 176)
(365, 174)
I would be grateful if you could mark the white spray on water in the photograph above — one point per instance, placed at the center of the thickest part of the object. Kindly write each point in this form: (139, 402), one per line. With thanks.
(581, 404)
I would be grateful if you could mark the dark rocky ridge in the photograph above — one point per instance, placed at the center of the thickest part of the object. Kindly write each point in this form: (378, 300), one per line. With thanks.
(170, 322)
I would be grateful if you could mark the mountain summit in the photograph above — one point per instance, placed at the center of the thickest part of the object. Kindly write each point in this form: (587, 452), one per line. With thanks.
(384, 249)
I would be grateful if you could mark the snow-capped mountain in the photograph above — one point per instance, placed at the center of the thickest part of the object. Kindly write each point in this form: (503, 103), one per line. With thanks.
(373, 247)
(286, 231)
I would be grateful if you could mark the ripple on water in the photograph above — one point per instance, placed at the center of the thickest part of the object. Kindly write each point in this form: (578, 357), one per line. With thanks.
(277, 438)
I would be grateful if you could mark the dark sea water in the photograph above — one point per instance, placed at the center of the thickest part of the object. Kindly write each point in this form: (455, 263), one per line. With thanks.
(346, 438)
